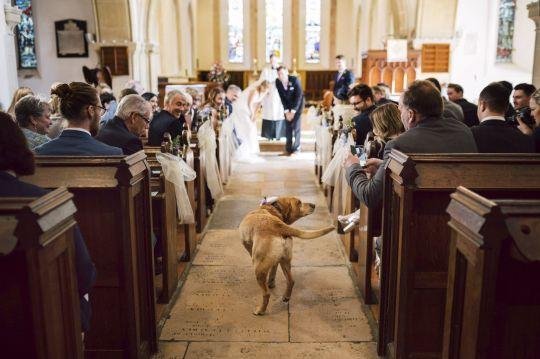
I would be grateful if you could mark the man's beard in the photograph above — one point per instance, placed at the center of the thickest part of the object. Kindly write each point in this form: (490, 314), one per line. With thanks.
(94, 127)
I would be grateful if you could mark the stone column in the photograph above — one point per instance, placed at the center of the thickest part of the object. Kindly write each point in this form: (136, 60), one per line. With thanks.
(10, 16)
(534, 14)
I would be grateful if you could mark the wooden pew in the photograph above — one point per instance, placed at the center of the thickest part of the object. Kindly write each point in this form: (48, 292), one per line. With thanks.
(361, 253)
(112, 195)
(179, 240)
(493, 294)
(416, 238)
(39, 301)
(200, 186)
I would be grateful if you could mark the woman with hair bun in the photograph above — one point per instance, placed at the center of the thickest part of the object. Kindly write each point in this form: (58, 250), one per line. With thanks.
(81, 107)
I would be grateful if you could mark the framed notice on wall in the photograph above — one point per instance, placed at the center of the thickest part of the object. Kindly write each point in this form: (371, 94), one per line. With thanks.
(70, 38)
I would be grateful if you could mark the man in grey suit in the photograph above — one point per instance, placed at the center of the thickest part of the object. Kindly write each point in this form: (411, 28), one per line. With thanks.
(421, 110)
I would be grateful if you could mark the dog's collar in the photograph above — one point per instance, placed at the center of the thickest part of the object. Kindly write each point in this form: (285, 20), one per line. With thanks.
(268, 201)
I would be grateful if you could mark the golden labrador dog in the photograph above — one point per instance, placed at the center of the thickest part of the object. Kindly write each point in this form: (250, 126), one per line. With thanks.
(267, 235)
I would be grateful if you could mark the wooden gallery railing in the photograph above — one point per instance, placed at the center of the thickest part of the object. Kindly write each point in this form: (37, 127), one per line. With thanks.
(416, 238)
(493, 292)
(39, 301)
(397, 75)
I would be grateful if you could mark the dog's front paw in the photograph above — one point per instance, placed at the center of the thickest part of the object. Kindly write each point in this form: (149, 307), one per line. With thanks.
(258, 311)
(285, 299)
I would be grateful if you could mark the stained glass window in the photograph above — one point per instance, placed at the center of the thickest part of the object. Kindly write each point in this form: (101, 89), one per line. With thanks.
(274, 28)
(313, 31)
(236, 30)
(26, 41)
(505, 39)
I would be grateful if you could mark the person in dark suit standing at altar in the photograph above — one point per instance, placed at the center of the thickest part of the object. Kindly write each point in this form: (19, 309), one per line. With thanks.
(292, 98)
(81, 107)
(16, 160)
(172, 118)
(494, 134)
(125, 129)
(342, 81)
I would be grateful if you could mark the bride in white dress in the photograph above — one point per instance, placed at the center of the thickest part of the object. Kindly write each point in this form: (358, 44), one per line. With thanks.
(243, 118)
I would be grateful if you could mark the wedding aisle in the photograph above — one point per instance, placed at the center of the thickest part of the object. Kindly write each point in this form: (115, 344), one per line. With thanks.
(212, 315)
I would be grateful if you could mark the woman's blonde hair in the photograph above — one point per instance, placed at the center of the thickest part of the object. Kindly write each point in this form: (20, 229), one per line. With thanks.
(386, 121)
(263, 86)
(19, 93)
(536, 97)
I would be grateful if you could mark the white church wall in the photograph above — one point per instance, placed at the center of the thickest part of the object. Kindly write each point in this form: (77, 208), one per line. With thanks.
(8, 59)
(50, 67)
(475, 44)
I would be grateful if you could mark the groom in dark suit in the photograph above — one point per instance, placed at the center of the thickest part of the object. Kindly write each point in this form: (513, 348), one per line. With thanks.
(342, 80)
(292, 98)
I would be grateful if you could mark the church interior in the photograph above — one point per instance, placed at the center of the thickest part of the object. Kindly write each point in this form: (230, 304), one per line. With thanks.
(160, 159)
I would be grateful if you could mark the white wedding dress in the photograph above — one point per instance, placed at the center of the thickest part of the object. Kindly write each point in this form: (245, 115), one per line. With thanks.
(246, 130)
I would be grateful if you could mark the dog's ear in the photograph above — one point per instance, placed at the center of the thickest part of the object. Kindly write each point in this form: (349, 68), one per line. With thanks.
(284, 208)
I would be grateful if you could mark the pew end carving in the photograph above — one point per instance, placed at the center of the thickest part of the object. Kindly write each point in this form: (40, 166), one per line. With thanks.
(39, 301)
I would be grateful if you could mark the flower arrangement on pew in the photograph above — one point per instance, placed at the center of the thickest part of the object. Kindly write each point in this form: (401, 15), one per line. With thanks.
(218, 73)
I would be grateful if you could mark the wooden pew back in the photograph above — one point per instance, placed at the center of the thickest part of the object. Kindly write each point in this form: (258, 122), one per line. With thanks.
(416, 238)
(112, 195)
(39, 301)
(493, 295)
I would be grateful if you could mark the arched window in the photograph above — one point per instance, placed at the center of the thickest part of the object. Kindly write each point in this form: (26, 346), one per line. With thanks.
(236, 31)
(274, 28)
(505, 38)
(26, 40)
(313, 31)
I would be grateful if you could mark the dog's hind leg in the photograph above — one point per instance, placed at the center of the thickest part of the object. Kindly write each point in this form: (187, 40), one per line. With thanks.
(286, 267)
(261, 272)
(248, 246)
(272, 276)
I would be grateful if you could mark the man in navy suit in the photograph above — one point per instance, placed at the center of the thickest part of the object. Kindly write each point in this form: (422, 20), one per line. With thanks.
(292, 98)
(76, 139)
(494, 134)
(125, 129)
(17, 160)
(343, 79)
(172, 118)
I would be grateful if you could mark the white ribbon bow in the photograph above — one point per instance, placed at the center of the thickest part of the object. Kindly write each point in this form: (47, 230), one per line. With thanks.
(177, 172)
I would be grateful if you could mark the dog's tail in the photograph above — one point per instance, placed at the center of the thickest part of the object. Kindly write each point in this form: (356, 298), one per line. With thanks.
(305, 234)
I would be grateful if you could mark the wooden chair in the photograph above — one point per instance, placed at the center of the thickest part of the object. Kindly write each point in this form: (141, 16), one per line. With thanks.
(416, 238)
(39, 301)
(493, 293)
(112, 195)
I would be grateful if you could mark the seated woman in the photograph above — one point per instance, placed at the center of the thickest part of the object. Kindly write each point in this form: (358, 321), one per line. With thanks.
(17, 160)
(81, 107)
(153, 99)
(34, 117)
(19, 93)
(387, 125)
(214, 106)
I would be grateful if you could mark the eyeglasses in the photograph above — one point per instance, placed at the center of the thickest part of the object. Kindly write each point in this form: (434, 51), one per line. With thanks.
(146, 119)
(357, 103)
(102, 110)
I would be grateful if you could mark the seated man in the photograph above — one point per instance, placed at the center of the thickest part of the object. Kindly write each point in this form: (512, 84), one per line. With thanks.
(455, 94)
(450, 109)
(17, 160)
(361, 97)
(125, 129)
(494, 134)
(172, 118)
(421, 110)
(81, 107)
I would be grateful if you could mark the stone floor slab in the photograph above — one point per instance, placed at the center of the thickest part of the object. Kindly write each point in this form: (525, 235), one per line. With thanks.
(217, 304)
(171, 350)
(282, 350)
(322, 251)
(222, 248)
(229, 213)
